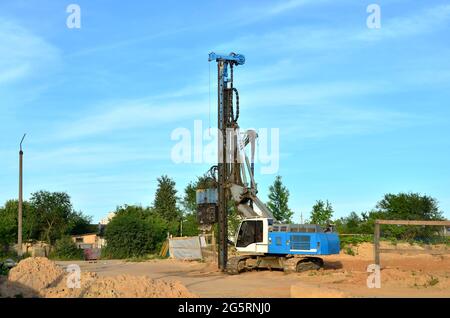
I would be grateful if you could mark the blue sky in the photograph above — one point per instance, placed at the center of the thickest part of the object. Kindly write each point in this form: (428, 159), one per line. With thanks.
(361, 112)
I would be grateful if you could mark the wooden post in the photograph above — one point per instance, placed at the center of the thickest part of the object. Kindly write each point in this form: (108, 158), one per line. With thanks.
(213, 243)
(377, 243)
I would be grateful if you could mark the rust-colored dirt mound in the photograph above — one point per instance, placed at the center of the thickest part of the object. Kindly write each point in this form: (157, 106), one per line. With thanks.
(30, 276)
(121, 286)
(40, 277)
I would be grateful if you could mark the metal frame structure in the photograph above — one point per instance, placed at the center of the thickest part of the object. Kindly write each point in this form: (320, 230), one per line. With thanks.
(378, 250)
(226, 120)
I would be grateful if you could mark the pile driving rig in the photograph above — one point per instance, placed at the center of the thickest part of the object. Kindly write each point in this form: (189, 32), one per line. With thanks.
(261, 241)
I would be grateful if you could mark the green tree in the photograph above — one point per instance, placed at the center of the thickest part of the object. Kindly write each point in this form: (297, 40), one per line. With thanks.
(8, 228)
(321, 213)
(53, 210)
(350, 224)
(133, 232)
(66, 249)
(278, 201)
(234, 219)
(8, 222)
(189, 202)
(47, 216)
(54, 216)
(190, 225)
(189, 213)
(80, 224)
(165, 203)
(408, 206)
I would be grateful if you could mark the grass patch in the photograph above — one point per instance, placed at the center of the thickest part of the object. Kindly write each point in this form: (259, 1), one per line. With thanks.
(432, 281)
(354, 240)
(349, 251)
(144, 258)
(348, 242)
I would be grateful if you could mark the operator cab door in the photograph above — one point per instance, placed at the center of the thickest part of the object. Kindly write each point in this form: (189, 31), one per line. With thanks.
(251, 237)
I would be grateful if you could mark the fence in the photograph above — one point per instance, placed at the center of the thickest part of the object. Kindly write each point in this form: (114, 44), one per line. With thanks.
(378, 250)
(194, 247)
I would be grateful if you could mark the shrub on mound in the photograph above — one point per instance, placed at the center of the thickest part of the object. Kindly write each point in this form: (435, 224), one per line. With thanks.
(134, 233)
(66, 249)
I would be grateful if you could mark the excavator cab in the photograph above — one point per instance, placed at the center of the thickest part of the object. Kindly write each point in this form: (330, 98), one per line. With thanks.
(250, 237)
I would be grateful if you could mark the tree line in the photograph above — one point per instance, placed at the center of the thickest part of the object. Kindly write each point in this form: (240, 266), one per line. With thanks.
(139, 230)
(47, 216)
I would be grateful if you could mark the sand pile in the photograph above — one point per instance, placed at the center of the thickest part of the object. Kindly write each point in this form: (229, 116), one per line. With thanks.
(30, 276)
(365, 250)
(122, 286)
(39, 277)
(36, 273)
(133, 286)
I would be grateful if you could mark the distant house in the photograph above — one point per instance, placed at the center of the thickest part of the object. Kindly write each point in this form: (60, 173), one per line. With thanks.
(90, 240)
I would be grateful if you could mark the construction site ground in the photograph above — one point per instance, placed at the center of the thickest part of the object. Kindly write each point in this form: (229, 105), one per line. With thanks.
(344, 275)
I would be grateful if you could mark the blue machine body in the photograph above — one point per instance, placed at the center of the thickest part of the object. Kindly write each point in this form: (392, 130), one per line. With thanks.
(303, 243)
(237, 59)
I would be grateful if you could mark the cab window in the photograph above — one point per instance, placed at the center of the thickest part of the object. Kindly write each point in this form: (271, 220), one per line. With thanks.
(250, 232)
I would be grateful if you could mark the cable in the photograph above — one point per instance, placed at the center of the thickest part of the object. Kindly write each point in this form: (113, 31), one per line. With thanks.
(237, 104)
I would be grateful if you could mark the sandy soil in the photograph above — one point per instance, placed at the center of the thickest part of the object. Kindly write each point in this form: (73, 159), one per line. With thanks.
(344, 275)
(40, 277)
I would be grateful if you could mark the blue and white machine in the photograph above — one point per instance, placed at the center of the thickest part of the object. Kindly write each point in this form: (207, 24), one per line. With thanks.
(260, 235)
(290, 247)
(261, 242)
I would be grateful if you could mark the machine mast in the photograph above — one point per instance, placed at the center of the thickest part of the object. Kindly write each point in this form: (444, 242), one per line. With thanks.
(226, 123)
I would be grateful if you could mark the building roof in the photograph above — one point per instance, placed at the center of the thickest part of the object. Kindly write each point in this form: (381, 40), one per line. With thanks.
(85, 234)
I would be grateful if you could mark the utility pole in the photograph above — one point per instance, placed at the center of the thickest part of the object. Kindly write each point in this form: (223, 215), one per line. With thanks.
(19, 228)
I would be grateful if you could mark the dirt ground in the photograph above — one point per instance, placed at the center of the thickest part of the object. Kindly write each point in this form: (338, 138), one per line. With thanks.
(40, 277)
(343, 276)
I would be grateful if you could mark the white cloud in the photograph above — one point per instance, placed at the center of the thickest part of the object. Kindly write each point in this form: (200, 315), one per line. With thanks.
(300, 38)
(256, 13)
(326, 121)
(311, 94)
(22, 53)
(131, 114)
(89, 155)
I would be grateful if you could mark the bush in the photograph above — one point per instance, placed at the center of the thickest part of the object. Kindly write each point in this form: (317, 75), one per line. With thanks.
(354, 239)
(8, 253)
(349, 251)
(3, 270)
(133, 234)
(66, 249)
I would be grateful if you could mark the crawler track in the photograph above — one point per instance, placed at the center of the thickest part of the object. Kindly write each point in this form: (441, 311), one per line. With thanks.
(236, 265)
(296, 264)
